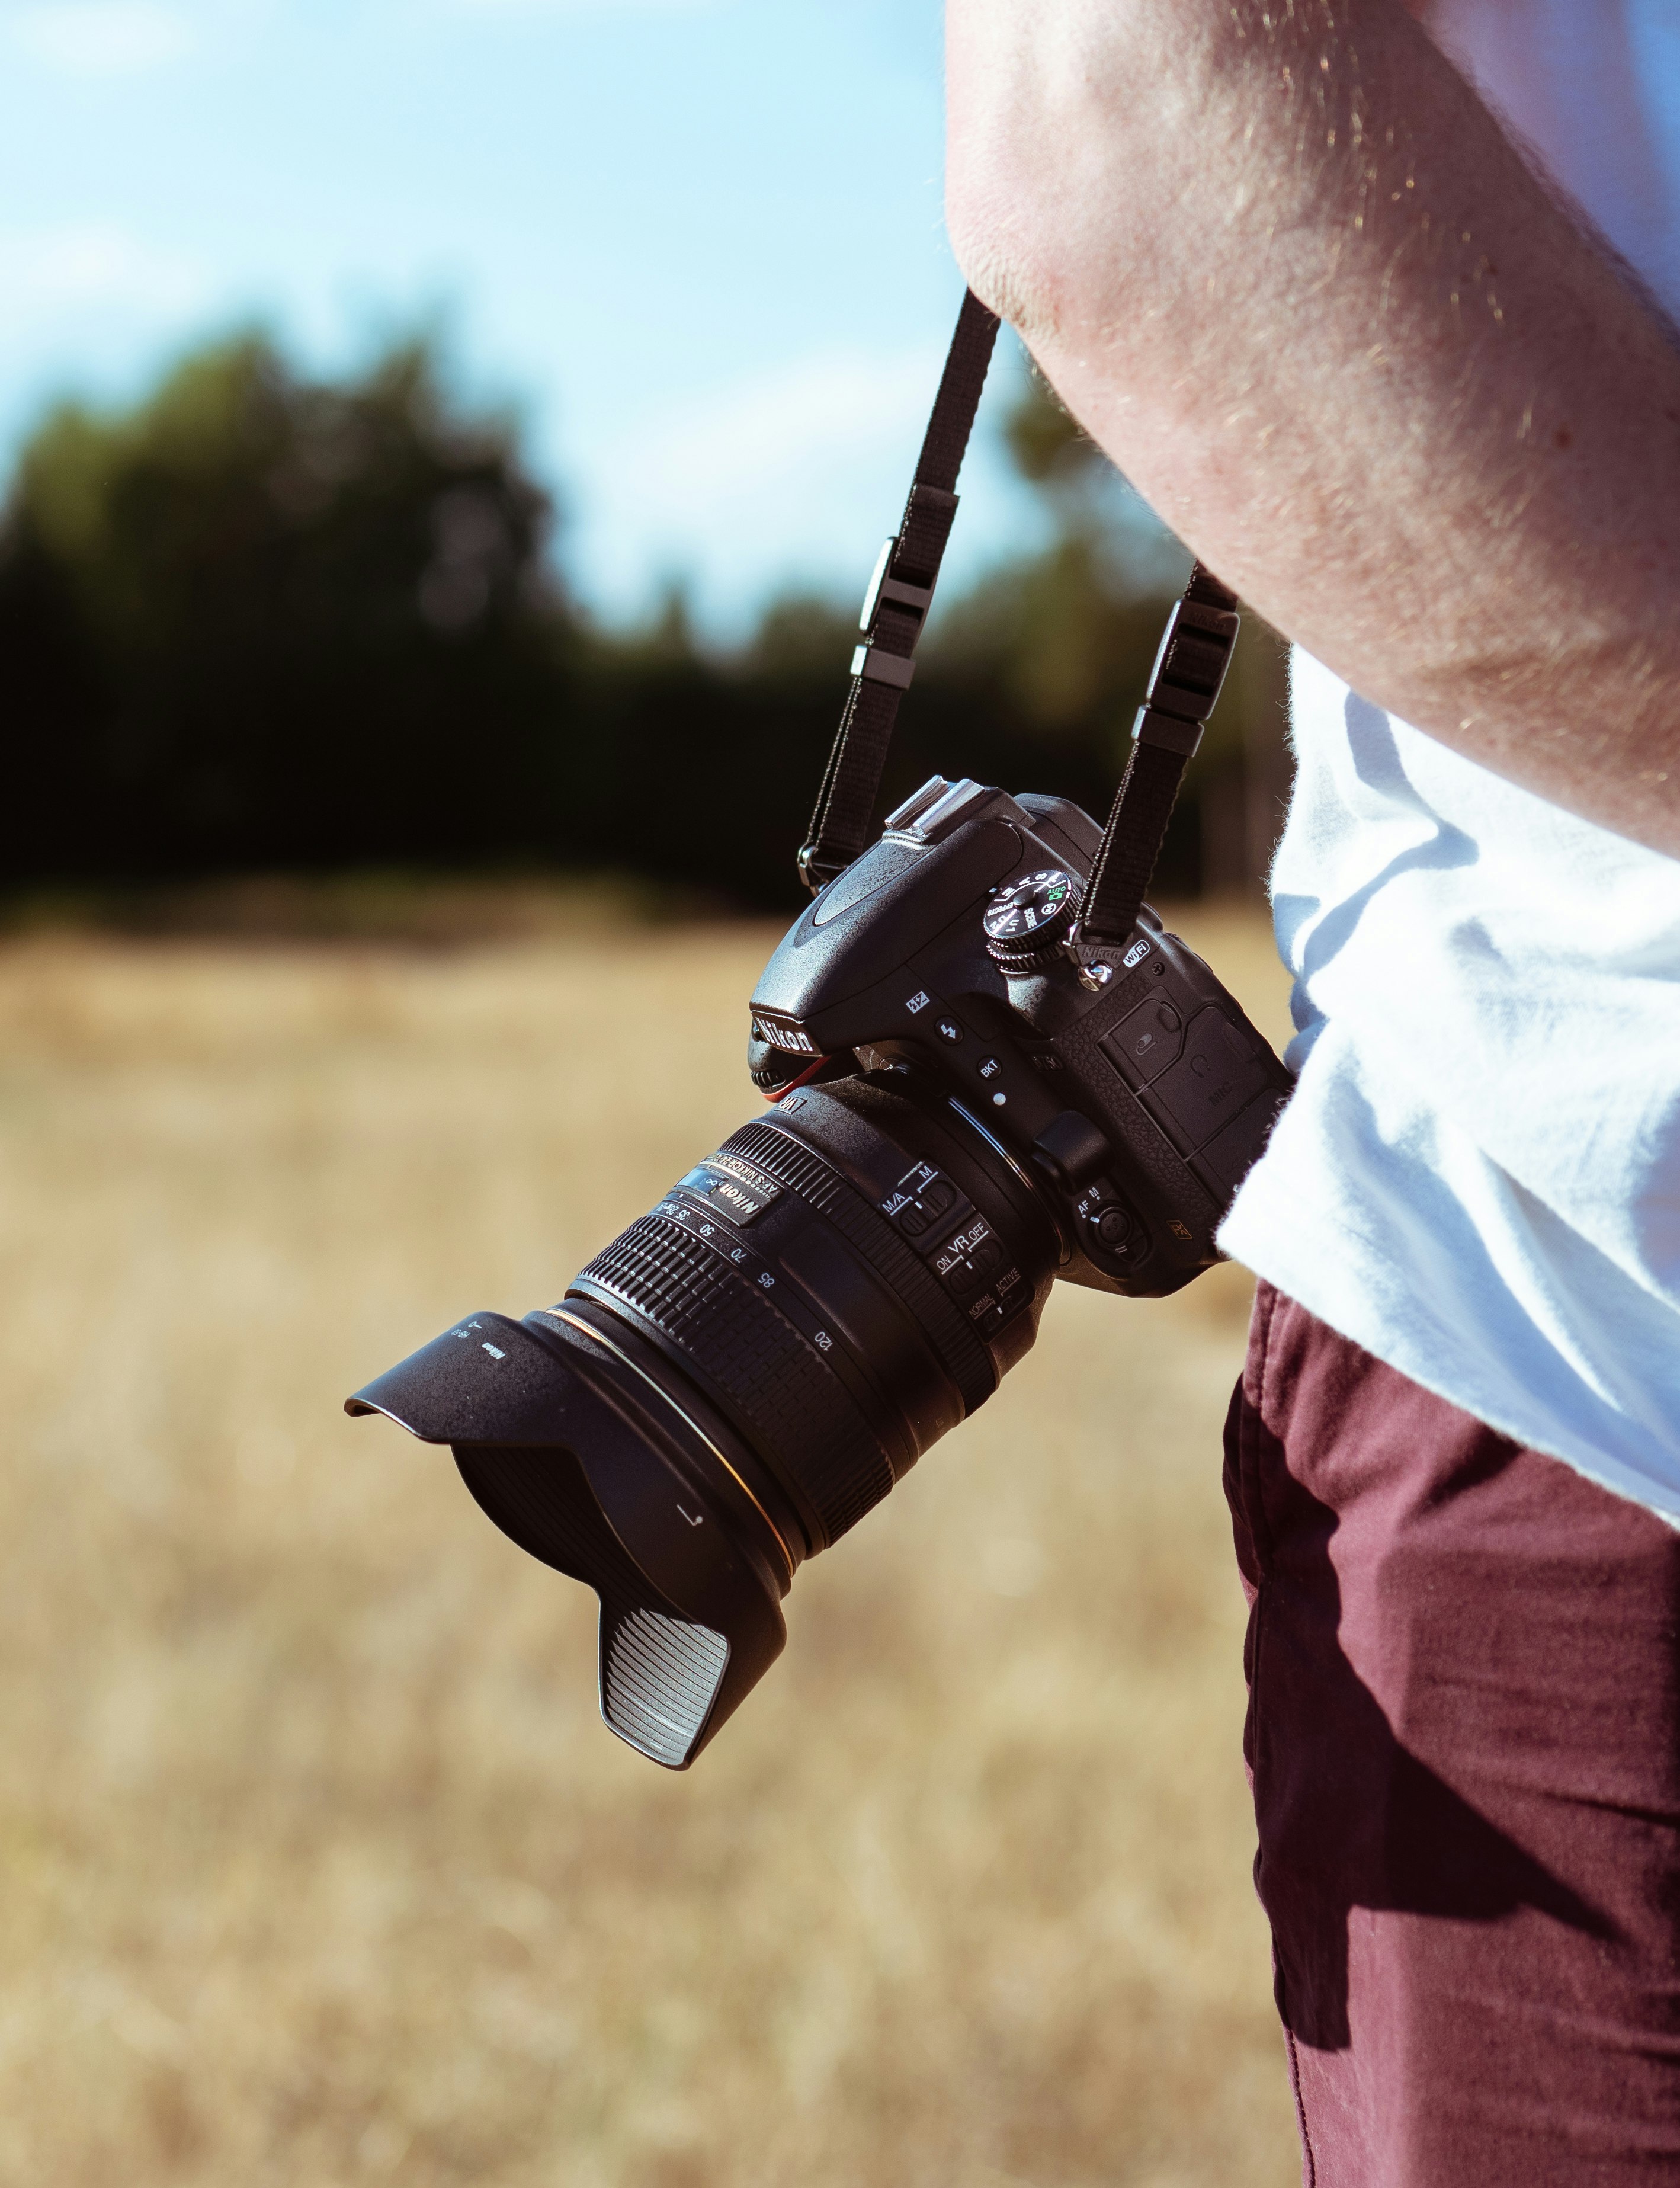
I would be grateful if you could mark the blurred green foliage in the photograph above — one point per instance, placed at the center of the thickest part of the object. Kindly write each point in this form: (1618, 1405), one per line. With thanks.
(257, 624)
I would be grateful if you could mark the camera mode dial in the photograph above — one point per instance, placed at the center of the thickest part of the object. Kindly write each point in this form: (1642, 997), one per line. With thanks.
(1027, 919)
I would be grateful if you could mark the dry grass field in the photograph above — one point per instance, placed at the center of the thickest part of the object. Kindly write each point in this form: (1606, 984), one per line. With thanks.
(318, 1866)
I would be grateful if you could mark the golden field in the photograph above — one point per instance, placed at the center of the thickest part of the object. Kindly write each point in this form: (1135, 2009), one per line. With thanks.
(319, 1868)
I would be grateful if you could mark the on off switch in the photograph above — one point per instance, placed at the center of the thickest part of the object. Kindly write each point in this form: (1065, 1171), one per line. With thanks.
(922, 1197)
(926, 1210)
(967, 1259)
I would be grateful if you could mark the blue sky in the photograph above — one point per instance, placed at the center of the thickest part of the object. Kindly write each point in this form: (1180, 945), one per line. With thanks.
(699, 242)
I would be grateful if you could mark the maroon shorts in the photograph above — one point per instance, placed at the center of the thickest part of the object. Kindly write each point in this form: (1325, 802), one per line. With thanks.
(1463, 1737)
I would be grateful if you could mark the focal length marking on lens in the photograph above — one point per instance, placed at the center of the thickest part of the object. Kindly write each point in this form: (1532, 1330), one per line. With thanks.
(796, 1164)
(853, 1374)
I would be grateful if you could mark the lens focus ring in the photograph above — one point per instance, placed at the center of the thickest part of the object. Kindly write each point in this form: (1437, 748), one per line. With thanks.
(762, 1363)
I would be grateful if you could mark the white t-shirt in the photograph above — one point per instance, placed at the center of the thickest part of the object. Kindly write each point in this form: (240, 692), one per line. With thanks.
(1478, 1178)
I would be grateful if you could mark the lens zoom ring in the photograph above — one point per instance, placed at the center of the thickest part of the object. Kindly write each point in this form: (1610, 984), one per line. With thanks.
(791, 1163)
(796, 1406)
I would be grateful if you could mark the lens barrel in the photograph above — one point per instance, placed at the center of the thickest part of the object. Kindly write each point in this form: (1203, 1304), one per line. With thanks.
(737, 1378)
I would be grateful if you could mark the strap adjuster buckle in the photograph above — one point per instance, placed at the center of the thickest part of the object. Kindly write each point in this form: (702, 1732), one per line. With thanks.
(1173, 735)
(887, 591)
(876, 666)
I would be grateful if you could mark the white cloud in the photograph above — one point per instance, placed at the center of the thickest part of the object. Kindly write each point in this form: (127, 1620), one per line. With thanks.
(43, 272)
(789, 476)
(101, 37)
(815, 417)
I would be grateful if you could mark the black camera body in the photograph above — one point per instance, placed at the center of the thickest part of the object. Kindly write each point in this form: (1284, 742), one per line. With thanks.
(989, 1066)
(1134, 1095)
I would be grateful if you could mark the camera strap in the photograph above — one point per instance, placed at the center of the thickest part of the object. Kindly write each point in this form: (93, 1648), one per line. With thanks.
(895, 609)
(1189, 671)
(1190, 666)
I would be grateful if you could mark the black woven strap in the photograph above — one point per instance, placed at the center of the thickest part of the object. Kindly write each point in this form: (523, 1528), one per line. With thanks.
(1189, 670)
(896, 609)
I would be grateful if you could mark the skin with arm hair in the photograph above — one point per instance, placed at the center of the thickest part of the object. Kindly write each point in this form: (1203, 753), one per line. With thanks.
(1284, 265)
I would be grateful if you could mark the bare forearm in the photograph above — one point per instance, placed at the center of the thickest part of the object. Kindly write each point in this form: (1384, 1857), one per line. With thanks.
(1281, 263)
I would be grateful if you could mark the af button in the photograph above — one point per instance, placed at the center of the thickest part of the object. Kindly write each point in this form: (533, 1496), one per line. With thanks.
(1111, 1233)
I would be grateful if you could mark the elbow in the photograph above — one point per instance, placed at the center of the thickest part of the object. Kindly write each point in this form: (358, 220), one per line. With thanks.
(996, 243)
(1003, 181)
(1007, 250)
(1076, 133)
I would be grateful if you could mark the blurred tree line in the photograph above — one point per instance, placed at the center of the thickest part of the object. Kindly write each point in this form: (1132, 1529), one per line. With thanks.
(260, 625)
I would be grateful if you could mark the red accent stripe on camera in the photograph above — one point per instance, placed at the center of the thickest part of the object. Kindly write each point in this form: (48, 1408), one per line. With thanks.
(808, 1071)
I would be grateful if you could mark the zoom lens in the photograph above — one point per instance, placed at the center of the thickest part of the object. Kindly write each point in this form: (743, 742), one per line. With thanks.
(737, 1378)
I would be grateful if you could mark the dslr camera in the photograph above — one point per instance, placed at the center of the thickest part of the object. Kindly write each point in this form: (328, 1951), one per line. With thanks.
(985, 1066)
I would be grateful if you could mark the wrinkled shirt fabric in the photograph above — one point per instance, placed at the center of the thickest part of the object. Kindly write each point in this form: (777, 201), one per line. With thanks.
(1478, 1177)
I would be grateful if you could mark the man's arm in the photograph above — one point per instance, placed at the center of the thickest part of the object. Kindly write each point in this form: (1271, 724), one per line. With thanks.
(1282, 264)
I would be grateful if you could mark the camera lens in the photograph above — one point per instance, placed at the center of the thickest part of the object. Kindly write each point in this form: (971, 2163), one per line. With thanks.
(734, 1382)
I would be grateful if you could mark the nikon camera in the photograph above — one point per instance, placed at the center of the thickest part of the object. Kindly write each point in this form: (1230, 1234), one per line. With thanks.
(984, 1066)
